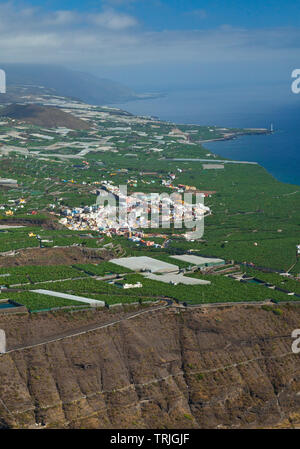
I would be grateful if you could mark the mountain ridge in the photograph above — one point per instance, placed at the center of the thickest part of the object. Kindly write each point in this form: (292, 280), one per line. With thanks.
(66, 82)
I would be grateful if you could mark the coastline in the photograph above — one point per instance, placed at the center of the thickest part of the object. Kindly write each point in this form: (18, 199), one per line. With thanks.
(277, 152)
(247, 132)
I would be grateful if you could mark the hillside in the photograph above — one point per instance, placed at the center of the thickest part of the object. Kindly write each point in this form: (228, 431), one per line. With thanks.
(62, 81)
(49, 117)
(171, 368)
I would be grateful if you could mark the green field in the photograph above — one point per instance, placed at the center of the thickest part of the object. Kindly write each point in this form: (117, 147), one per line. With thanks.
(255, 218)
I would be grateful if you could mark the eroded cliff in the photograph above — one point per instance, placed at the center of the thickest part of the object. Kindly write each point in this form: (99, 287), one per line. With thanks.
(168, 368)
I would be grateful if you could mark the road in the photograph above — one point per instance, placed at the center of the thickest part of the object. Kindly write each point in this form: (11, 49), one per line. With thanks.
(80, 331)
(224, 161)
(94, 327)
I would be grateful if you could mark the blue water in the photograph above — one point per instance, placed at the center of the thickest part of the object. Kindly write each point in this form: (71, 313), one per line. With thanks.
(279, 152)
(6, 305)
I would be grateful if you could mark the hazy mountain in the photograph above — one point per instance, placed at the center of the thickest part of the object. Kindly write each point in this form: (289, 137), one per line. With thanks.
(66, 82)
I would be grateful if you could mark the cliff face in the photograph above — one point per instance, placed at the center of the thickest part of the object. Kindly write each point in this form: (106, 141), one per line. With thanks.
(229, 367)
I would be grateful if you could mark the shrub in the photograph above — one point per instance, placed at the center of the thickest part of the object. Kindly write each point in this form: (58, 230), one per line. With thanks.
(278, 312)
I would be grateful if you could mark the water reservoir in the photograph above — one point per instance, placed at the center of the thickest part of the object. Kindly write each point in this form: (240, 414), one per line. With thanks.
(7, 305)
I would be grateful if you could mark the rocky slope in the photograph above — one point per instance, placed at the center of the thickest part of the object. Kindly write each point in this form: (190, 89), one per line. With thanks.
(54, 256)
(172, 368)
(44, 116)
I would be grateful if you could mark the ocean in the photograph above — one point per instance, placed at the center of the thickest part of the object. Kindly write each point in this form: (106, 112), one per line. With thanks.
(279, 152)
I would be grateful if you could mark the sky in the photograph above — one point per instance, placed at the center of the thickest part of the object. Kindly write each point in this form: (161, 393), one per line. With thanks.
(159, 44)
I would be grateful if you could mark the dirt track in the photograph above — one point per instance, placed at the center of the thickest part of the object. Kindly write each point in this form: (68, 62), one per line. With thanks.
(80, 330)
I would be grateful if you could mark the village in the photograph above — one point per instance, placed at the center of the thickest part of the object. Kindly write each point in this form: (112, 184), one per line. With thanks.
(137, 211)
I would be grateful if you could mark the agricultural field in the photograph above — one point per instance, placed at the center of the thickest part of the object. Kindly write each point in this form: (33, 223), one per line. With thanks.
(33, 274)
(222, 289)
(36, 302)
(103, 269)
(254, 218)
(275, 279)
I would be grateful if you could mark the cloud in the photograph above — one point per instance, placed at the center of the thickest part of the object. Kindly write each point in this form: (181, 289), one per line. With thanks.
(19, 19)
(113, 39)
(112, 20)
(62, 18)
(199, 13)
